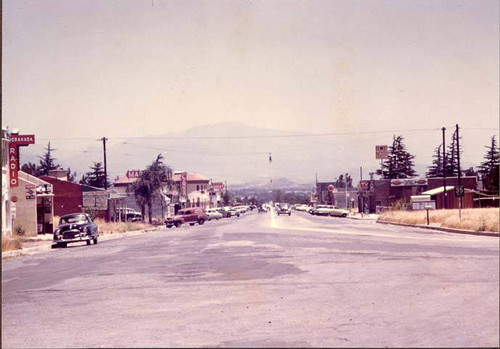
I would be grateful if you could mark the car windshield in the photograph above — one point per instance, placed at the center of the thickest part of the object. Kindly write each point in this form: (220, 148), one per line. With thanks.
(77, 218)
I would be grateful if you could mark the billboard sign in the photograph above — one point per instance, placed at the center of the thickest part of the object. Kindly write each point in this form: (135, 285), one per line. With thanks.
(30, 191)
(17, 141)
(406, 182)
(381, 152)
(365, 185)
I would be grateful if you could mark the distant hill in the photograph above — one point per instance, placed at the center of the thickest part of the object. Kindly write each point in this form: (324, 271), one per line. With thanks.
(229, 151)
(265, 184)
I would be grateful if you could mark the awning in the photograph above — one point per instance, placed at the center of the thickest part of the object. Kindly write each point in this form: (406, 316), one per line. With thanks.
(439, 190)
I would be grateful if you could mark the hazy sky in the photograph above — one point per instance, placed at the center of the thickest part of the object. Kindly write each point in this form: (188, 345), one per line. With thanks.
(135, 68)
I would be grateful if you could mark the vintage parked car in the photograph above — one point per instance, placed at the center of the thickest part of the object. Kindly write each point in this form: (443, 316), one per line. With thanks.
(191, 215)
(212, 213)
(338, 212)
(75, 227)
(283, 209)
(128, 214)
(321, 210)
(228, 211)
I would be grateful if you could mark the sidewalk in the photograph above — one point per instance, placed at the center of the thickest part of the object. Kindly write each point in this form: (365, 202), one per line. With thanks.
(370, 217)
(43, 243)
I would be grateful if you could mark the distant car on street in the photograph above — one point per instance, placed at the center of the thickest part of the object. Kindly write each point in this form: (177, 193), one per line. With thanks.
(302, 207)
(75, 227)
(191, 215)
(212, 213)
(283, 209)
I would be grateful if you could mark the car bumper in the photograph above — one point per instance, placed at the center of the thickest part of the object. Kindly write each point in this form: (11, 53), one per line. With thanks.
(81, 237)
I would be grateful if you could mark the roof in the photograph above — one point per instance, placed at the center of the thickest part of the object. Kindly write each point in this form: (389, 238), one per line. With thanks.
(438, 190)
(125, 180)
(191, 177)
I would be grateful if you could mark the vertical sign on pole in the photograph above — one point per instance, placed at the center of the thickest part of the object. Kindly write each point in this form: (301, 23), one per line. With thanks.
(17, 141)
(184, 185)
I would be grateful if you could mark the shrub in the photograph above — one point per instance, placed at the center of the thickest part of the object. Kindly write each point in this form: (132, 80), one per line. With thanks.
(19, 230)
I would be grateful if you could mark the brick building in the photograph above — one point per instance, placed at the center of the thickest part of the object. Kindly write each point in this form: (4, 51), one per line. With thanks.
(383, 193)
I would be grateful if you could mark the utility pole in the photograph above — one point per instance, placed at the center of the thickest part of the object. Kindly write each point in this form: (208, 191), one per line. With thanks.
(444, 170)
(459, 174)
(104, 139)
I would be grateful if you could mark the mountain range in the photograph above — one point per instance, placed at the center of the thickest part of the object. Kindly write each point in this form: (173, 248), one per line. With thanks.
(234, 152)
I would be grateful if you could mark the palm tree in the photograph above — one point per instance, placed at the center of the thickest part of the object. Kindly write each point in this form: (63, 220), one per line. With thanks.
(148, 187)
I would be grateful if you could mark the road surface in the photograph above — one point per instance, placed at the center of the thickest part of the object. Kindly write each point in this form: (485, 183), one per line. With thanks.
(259, 281)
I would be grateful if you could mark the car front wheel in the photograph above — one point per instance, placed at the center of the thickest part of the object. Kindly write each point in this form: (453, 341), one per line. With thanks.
(95, 241)
(201, 221)
(178, 224)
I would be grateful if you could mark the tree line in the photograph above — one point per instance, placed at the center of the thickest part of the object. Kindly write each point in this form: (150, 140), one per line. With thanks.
(400, 164)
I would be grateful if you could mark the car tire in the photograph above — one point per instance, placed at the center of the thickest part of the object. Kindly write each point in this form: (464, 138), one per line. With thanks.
(88, 242)
(63, 244)
(95, 240)
(201, 221)
(178, 224)
(344, 215)
(209, 219)
(289, 214)
(191, 224)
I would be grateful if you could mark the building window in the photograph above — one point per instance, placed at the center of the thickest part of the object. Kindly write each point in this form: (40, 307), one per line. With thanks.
(197, 187)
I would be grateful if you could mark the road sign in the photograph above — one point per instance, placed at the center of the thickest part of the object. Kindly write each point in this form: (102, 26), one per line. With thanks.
(381, 152)
(459, 191)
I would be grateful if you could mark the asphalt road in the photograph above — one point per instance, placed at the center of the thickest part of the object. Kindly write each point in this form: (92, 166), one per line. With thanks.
(259, 281)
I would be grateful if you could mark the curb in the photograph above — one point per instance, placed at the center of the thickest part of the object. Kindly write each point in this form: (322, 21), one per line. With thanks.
(447, 230)
(48, 246)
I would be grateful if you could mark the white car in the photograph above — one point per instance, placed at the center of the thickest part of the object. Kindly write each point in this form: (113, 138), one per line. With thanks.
(302, 207)
(338, 212)
(240, 209)
(212, 213)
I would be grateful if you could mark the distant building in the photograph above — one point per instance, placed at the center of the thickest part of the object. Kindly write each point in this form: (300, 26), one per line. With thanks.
(72, 197)
(339, 197)
(377, 195)
(34, 211)
(216, 191)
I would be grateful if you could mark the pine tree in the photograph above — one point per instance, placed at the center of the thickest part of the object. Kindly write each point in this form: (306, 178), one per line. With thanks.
(399, 163)
(31, 169)
(489, 168)
(47, 162)
(96, 177)
(452, 157)
(436, 170)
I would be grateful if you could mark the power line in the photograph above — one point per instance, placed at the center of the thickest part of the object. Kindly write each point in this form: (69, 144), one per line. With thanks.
(305, 135)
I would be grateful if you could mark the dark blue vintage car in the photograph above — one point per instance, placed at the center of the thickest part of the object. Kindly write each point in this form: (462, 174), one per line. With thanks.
(75, 227)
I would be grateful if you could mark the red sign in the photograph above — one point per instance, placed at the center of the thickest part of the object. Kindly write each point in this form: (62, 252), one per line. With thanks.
(184, 184)
(365, 185)
(330, 188)
(381, 152)
(22, 139)
(13, 165)
(134, 173)
(217, 186)
(408, 182)
(13, 199)
(17, 141)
